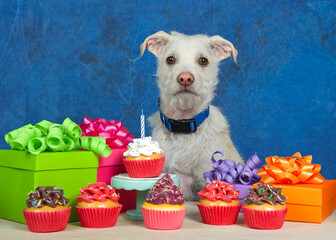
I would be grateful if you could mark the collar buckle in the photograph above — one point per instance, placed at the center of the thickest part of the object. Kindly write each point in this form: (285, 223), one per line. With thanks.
(183, 125)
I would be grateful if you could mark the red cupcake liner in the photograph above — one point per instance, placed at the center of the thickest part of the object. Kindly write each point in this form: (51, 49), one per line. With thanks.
(51, 221)
(144, 168)
(98, 217)
(163, 219)
(264, 219)
(219, 215)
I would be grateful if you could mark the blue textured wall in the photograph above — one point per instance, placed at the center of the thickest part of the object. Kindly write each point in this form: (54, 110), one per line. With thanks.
(72, 59)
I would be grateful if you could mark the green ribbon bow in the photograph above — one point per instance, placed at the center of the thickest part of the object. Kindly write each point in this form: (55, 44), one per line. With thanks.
(48, 136)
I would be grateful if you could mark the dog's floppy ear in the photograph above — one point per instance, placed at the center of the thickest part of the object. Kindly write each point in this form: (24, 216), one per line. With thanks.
(222, 48)
(155, 43)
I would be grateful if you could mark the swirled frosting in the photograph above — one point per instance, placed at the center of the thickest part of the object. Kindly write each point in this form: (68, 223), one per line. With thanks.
(165, 192)
(46, 196)
(219, 190)
(265, 193)
(99, 191)
(140, 146)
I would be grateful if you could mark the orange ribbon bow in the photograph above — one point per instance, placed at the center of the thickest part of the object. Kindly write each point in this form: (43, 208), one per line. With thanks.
(292, 170)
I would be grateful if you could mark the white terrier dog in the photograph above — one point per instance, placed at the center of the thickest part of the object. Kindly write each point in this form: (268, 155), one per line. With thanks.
(187, 78)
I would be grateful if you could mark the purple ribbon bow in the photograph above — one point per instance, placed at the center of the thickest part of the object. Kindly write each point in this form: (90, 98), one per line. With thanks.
(228, 171)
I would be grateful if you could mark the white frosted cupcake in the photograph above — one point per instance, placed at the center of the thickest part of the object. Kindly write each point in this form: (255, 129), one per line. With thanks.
(143, 158)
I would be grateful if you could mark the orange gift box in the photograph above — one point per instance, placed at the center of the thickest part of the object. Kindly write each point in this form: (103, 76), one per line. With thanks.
(309, 202)
(310, 198)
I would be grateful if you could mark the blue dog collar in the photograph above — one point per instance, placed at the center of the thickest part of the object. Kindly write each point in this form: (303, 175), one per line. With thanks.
(184, 125)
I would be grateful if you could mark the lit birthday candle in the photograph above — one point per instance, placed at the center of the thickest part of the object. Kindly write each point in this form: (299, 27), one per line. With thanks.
(142, 118)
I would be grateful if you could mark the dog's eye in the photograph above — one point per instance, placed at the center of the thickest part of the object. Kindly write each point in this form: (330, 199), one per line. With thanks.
(203, 61)
(170, 60)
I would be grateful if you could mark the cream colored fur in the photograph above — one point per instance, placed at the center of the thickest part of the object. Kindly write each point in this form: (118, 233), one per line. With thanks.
(189, 154)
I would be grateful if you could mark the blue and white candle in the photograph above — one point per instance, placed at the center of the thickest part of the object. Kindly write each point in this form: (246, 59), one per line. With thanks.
(142, 119)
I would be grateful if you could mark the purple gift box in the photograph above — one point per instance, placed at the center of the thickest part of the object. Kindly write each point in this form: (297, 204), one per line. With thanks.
(244, 190)
(242, 177)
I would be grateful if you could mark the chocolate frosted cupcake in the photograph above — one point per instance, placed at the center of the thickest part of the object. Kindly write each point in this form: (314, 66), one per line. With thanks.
(163, 208)
(46, 210)
(265, 207)
(219, 203)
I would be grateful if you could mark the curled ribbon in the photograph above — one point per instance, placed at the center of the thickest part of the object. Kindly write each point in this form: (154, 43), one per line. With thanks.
(115, 133)
(228, 171)
(95, 144)
(46, 135)
(292, 170)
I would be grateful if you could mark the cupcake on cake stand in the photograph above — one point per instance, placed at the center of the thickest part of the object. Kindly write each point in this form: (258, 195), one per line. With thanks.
(142, 185)
(144, 163)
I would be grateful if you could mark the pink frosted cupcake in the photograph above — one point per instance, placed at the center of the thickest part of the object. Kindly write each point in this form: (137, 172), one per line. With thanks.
(219, 203)
(98, 206)
(144, 158)
(265, 207)
(163, 208)
(46, 210)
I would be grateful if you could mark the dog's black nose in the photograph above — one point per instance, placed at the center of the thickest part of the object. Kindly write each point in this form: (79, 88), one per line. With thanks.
(185, 79)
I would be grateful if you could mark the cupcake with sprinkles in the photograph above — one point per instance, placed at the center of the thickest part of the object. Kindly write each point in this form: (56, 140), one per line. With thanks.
(98, 206)
(265, 207)
(163, 208)
(219, 203)
(144, 158)
(47, 210)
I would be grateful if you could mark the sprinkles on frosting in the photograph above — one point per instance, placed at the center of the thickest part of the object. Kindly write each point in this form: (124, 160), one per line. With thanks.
(46, 196)
(99, 191)
(219, 190)
(265, 193)
(165, 192)
(140, 146)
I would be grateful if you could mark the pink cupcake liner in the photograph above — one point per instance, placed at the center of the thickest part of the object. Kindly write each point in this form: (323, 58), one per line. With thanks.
(163, 219)
(51, 221)
(219, 215)
(98, 217)
(264, 219)
(144, 168)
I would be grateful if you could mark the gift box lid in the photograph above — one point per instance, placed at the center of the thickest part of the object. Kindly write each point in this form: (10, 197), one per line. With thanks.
(48, 160)
(308, 194)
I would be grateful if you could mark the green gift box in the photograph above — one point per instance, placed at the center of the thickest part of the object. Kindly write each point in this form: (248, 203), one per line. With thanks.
(22, 172)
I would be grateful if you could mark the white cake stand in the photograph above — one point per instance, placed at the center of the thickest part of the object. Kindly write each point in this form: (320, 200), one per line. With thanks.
(142, 185)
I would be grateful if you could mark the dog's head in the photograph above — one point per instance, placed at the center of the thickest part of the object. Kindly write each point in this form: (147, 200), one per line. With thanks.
(187, 67)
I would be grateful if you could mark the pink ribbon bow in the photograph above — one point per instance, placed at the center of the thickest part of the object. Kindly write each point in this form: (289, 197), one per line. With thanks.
(115, 133)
